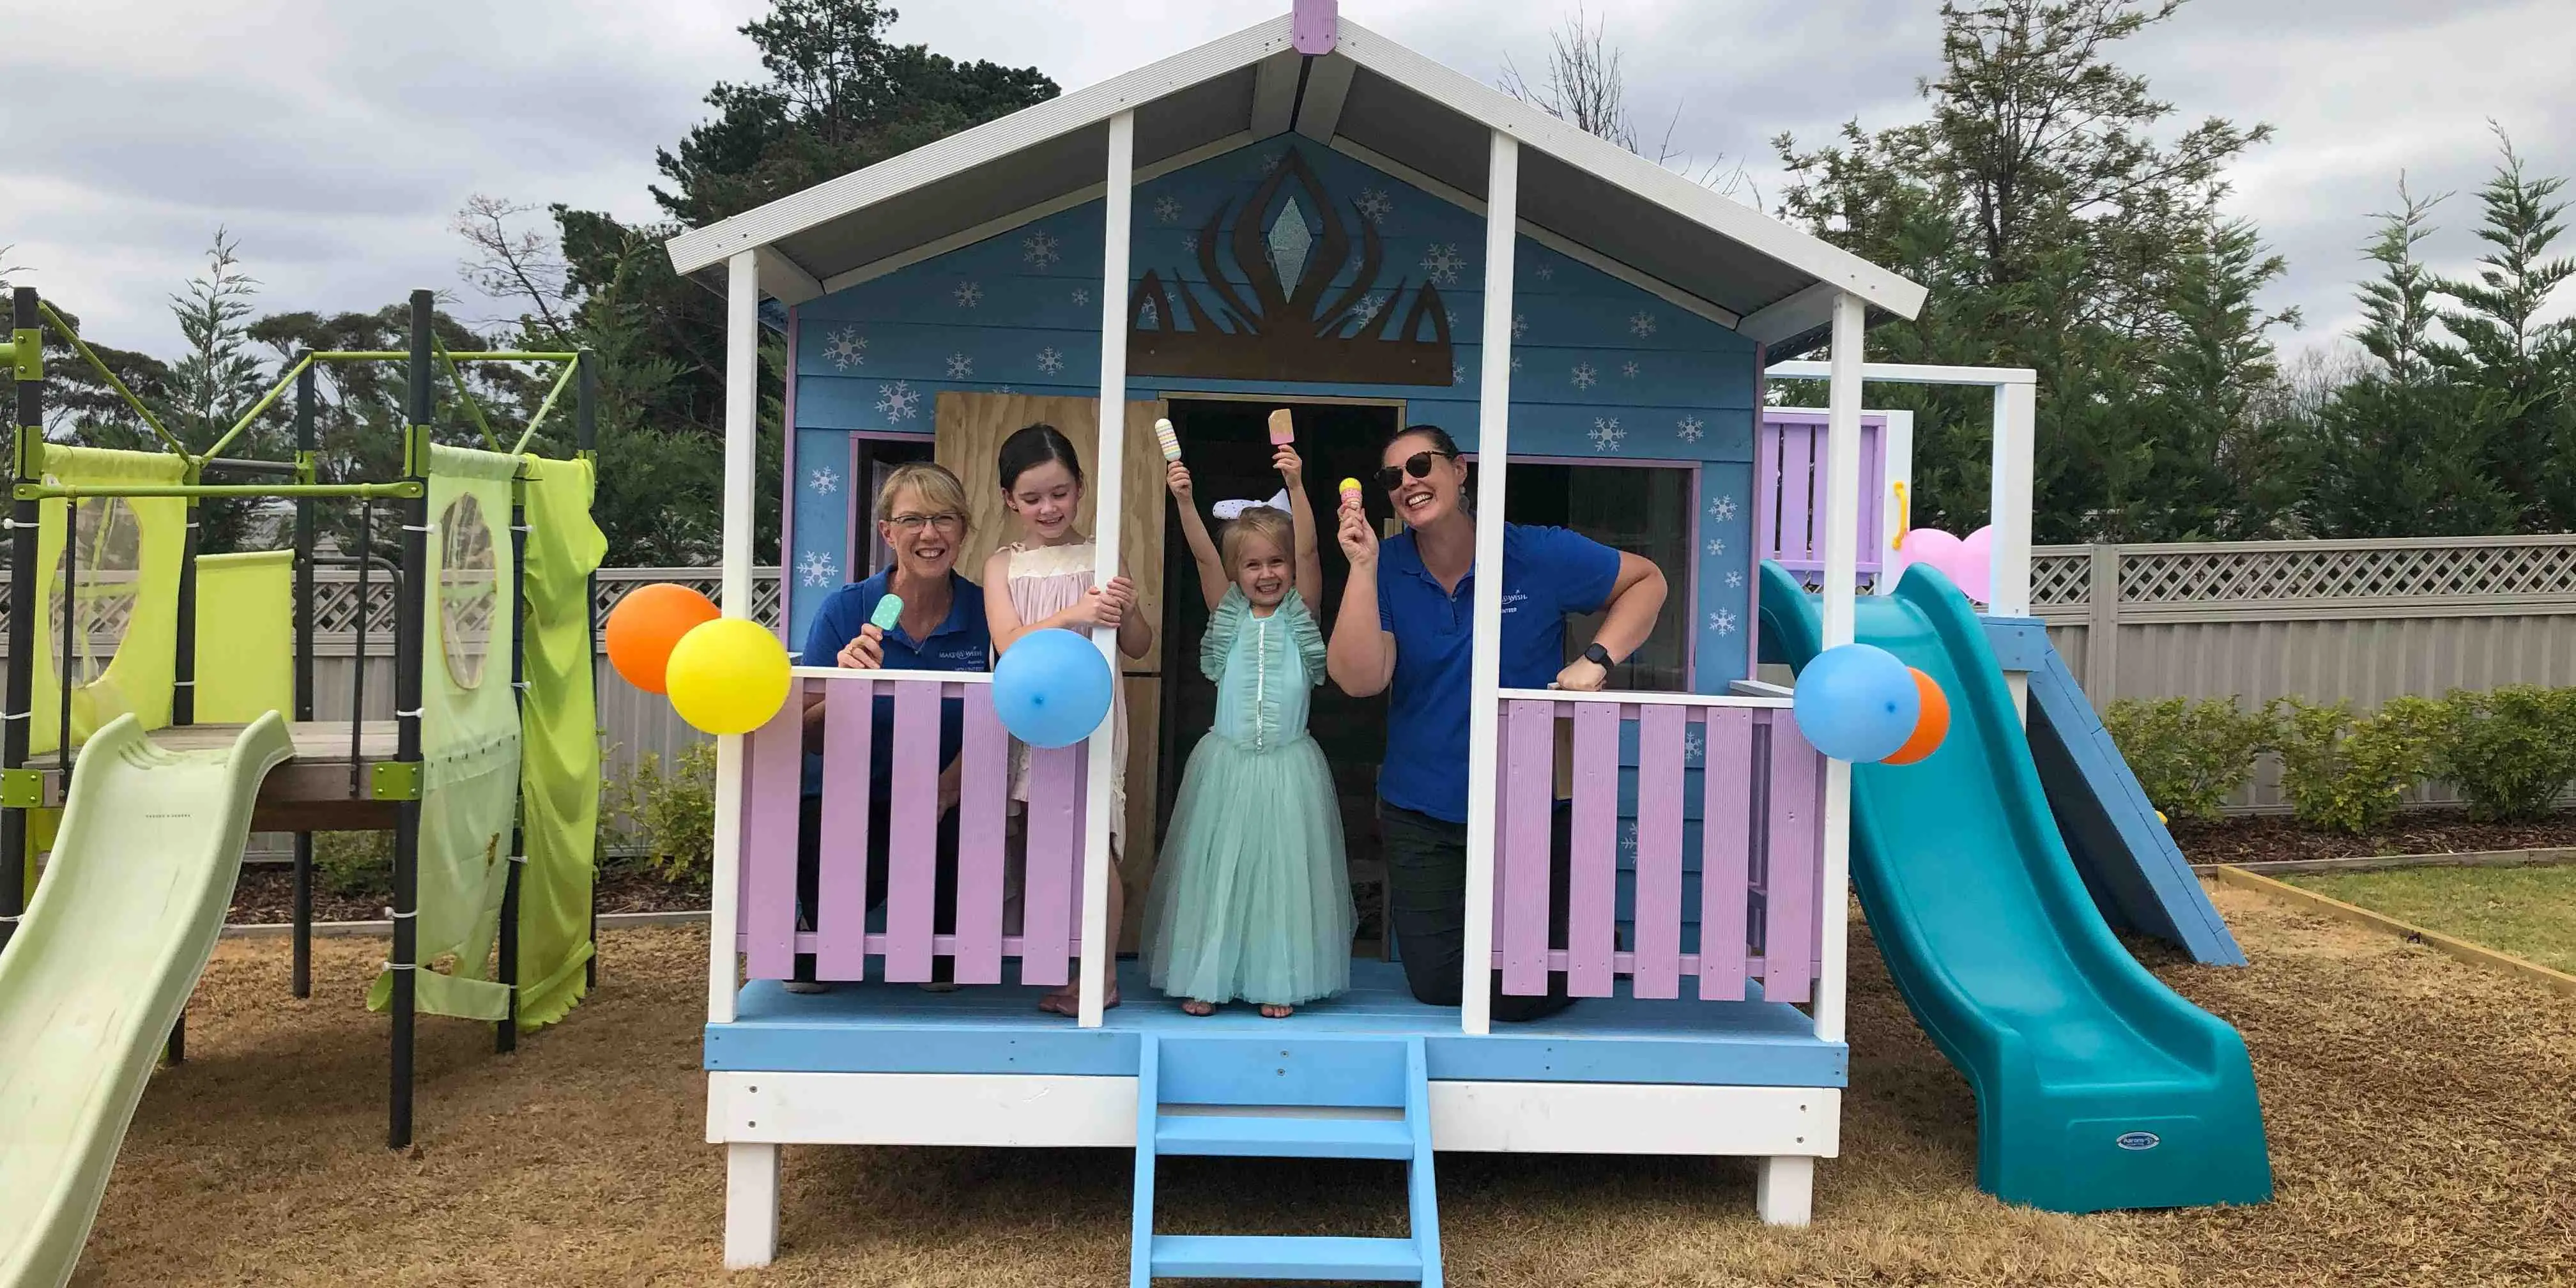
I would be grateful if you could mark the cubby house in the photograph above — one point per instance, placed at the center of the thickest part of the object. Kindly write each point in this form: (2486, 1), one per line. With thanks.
(1306, 215)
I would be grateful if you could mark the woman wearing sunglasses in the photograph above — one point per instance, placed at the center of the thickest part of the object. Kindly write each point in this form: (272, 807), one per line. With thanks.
(1404, 628)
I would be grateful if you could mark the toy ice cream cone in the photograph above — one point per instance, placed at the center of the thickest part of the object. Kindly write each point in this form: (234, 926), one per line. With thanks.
(1350, 492)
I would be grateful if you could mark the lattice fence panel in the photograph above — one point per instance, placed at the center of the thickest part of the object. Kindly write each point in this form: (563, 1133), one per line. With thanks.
(2332, 572)
(2060, 580)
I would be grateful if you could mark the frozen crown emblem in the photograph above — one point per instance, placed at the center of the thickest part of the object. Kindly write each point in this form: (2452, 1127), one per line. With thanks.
(1270, 317)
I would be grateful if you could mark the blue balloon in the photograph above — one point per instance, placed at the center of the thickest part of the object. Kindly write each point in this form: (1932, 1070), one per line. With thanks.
(1857, 702)
(1052, 688)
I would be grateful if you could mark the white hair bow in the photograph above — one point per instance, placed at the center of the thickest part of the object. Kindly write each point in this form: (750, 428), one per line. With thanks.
(1232, 510)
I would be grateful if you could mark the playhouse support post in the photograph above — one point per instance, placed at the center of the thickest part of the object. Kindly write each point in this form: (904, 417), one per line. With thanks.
(1784, 1189)
(1484, 665)
(1099, 953)
(1842, 576)
(742, 434)
(300, 980)
(2008, 509)
(751, 1205)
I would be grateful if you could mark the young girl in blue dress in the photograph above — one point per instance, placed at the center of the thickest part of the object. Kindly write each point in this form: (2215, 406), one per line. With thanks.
(1252, 898)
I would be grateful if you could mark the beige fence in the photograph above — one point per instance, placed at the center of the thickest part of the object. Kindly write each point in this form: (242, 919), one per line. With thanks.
(2359, 620)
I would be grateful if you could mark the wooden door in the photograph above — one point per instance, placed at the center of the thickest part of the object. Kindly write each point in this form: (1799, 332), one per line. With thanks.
(970, 430)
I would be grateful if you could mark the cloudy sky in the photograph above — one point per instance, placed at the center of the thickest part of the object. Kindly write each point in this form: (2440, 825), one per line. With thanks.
(336, 141)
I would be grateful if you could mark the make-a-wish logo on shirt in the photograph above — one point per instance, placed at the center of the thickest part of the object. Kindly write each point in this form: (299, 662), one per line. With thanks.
(1512, 600)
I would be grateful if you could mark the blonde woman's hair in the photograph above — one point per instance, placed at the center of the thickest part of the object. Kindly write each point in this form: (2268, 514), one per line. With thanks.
(1264, 521)
(939, 490)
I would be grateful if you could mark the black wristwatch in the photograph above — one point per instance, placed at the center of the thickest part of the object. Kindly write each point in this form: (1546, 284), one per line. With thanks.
(1598, 656)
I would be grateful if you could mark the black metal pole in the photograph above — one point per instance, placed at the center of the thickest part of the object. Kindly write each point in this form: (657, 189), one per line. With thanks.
(358, 644)
(585, 441)
(183, 695)
(505, 1035)
(28, 417)
(70, 658)
(305, 589)
(411, 642)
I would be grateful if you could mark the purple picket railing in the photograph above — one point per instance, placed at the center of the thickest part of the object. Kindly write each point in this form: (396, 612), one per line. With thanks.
(1761, 832)
(1048, 939)
(1789, 492)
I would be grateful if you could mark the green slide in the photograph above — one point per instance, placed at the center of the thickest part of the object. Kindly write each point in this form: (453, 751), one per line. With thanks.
(102, 965)
(2097, 1086)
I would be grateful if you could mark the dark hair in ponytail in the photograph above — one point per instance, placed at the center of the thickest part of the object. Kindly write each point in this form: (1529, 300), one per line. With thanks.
(1035, 446)
(1440, 439)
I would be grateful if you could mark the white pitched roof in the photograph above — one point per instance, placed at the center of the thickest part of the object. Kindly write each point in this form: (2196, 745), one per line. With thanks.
(1370, 98)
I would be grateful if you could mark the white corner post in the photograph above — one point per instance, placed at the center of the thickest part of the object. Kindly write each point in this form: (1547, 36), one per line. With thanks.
(1109, 468)
(1842, 576)
(1485, 656)
(751, 1170)
(1896, 506)
(2008, 504)
(742, 434)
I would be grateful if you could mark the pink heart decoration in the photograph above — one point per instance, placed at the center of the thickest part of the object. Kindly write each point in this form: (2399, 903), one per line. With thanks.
(1974, 569)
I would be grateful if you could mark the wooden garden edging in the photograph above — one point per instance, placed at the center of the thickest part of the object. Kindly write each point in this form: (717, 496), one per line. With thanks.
(2474, 954)
(2547, 856)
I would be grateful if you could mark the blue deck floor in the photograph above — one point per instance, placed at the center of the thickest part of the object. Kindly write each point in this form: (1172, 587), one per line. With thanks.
(898, 1028)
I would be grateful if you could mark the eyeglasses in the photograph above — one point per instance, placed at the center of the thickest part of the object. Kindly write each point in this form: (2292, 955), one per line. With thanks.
(946, 521)
(1391, 477)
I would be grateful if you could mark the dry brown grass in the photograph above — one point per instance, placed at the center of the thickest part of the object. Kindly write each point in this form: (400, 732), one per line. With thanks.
(2422, 1117)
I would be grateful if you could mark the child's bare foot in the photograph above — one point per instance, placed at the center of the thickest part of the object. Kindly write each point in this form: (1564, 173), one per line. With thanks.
(1194, 1006)
(1272, 1012)
(1067, 1001)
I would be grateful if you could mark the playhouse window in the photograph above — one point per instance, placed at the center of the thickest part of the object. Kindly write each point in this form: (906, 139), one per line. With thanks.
(1642, 509)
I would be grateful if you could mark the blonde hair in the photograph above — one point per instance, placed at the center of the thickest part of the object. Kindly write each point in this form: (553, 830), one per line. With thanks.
(1269, 522)
(939, 490)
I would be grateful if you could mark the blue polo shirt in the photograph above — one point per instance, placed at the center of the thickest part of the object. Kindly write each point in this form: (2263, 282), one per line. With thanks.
(961, 642)
(1547, 573)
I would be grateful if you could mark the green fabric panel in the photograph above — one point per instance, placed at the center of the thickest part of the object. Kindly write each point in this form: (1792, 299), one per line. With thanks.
(130, 553)
(559, 747)
(245, 636)
(469, 735)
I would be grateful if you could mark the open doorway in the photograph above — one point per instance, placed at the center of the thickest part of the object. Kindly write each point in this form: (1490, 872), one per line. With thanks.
(1226, 444)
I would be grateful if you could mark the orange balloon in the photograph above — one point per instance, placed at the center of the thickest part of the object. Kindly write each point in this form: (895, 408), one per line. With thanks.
(646, 624)
(1929, 728)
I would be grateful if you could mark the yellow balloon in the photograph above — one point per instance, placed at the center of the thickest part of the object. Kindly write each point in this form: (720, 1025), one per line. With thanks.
(727, 676)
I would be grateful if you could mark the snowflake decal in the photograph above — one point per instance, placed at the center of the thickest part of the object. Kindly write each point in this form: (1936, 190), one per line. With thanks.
(898, 401)
(1050, 361)
(1148, 315)
(1629, 369)
(1628, 840)
(1081, 298)
(1688, 429)
(1716, 546)
(1584, 376)
(1722, 621)
(1606, 434)
(1547, 272)
(1040, 249)
(815, 568)
(824, 482)
(1722, 509)
(1441, 262)
(967, 295)
(960, 367)
(1369, 307)
(1516, 363)
(1270, 163)
(1374, 205)
(1520, 325)
(1641, 324)
(1452, 315)
(1692, 746)
(1168, 208)
(1190, 242)
(846, 348)
(1735, 581)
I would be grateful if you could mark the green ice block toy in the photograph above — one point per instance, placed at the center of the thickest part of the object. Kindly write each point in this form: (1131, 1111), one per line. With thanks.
(889, 610)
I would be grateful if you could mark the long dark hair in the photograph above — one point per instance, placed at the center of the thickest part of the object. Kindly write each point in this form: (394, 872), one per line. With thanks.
(1032, 447)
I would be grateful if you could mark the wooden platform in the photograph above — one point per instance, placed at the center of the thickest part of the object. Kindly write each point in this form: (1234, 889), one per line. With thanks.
(312, 793)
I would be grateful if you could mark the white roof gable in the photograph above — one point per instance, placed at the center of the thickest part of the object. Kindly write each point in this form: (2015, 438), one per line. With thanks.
(1369, 97)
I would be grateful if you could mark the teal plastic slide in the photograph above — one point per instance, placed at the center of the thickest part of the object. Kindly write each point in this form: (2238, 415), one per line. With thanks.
(133, 898)
(2097, 1086)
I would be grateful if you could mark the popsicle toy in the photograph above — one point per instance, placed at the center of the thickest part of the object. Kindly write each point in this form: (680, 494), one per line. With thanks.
(1281, 432)
(1171, 442)
(1350, 492)
(889, 610)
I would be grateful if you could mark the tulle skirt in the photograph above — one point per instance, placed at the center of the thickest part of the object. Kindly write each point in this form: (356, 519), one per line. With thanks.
(1252, 893)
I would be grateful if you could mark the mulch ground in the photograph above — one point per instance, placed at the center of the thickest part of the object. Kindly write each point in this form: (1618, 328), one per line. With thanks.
(2260, 837)
(2421, 1116)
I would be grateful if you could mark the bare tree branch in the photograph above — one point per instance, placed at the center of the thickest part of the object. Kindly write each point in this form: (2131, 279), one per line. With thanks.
(1584, 86)
(522, 266)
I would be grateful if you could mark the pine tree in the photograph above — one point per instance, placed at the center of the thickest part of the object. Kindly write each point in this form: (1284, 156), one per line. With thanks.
(2520, 363)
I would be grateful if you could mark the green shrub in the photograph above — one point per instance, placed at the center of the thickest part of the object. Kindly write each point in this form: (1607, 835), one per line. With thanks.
(673, 814)
(2343, 774)
(2189, 756)
(354, 864)
(2509, 751)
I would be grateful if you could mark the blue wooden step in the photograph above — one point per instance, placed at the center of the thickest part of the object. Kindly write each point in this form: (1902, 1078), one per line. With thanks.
(1283, 1136)
(1264, 1256)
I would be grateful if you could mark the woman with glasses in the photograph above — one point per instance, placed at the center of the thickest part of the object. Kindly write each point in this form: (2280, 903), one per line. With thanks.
(1405, 625)
(921, 515)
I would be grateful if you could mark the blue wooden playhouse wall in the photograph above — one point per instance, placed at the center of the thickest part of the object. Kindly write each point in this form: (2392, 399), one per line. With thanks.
(1601, 369)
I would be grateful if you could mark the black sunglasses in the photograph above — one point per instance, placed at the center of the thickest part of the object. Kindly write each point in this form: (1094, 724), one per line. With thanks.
(1390, 477)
